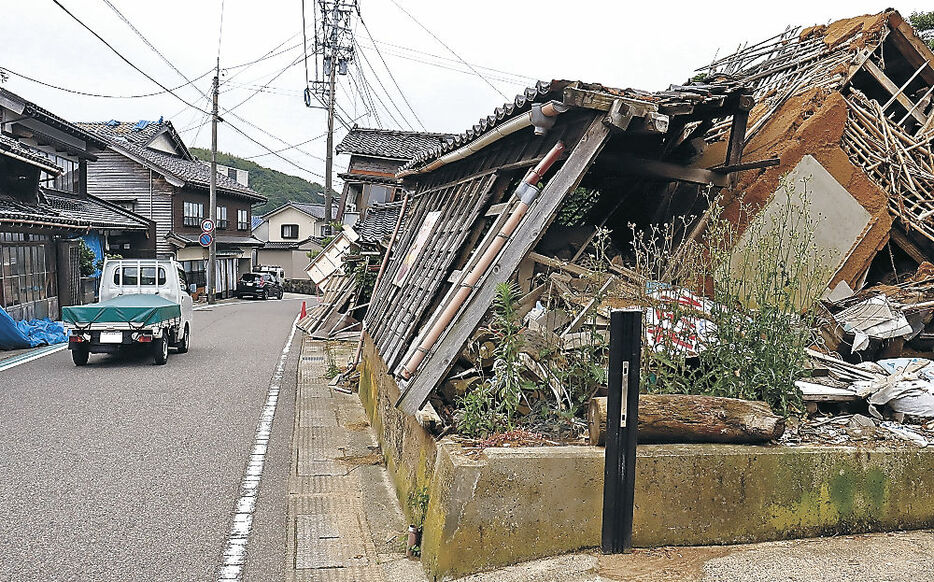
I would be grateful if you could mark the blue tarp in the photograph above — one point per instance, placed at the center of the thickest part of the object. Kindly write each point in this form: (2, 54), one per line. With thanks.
(96, 244)
(15, 335)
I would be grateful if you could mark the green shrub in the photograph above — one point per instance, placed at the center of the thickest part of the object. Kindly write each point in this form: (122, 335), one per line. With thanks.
(492, 406)
(762, 296)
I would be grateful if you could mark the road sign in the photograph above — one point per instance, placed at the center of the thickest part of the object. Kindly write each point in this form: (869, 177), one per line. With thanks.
(207, 225)
(206, 239)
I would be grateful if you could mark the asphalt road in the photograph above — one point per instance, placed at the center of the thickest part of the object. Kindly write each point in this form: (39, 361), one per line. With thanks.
(127, 471)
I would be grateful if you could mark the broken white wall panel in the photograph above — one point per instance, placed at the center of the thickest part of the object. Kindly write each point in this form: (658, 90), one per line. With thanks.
(822, 205)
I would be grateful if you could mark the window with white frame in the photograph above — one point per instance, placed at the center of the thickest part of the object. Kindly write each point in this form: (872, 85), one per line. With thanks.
(221, 217)
(243, 220)
(193, 213)
(289, 231)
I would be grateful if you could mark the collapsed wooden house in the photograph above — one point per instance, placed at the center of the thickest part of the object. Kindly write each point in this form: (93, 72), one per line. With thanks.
(854, 96)
(340, 272)
(475, 214)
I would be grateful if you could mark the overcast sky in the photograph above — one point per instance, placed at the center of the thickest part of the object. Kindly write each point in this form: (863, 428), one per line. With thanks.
(622, 44)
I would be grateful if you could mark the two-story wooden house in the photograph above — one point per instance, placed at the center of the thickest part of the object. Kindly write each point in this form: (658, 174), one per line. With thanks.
(148, 169)
(375, 157)
(45, 211)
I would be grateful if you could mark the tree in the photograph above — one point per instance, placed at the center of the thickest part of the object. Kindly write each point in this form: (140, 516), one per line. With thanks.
(86, 259)
(924, 24)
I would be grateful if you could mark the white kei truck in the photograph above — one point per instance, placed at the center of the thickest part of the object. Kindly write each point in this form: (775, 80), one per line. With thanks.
(142, 302)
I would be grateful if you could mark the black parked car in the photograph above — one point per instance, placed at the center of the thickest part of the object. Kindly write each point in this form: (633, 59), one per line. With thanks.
(259, 285)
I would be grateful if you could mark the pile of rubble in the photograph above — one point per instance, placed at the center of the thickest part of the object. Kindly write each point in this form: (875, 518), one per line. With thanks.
(855, 429)
(876, 348)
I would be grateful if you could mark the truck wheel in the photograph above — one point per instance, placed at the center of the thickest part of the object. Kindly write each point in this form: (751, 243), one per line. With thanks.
(80, 356)
(160, 350)
(185, 342)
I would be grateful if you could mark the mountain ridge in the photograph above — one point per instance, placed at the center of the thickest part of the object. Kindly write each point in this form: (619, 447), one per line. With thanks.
(278, 187)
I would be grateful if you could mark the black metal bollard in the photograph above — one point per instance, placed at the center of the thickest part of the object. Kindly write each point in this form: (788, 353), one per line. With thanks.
(622, 414)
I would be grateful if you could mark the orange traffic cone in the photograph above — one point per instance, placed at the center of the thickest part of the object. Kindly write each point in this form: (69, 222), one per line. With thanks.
(304, 311)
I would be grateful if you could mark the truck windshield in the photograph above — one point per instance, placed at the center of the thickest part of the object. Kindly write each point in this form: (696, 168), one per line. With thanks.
(130, 276)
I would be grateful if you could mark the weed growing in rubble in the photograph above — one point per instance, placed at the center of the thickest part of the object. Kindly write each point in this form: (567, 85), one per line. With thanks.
(491, 407)
(763, 285)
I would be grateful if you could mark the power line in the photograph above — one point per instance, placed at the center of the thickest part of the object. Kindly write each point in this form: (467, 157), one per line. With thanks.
(124, 59)
(436, 56)
(524, 81)
(100, 95)
(388, 70)
(364, 95)
(209, 114)
(366, 61)
(271, 152)
(272, 53)
(146, 41)
(298, 145)
(257, 91)
(450, 50)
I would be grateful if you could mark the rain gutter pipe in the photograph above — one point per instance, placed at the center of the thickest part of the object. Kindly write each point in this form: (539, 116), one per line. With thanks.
(541, 117)
(526, 192)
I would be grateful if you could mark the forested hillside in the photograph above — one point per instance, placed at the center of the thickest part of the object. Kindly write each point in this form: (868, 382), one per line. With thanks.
(278, 187)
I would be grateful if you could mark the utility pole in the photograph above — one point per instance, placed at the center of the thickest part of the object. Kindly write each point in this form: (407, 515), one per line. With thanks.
(334, 52)
(212, 252)
(329, 160)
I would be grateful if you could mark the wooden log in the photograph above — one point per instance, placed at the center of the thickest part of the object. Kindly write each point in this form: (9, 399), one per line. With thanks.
(685, 418)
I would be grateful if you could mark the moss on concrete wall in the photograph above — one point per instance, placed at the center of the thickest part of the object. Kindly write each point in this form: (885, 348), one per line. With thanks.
(408, 449)
(510, 505)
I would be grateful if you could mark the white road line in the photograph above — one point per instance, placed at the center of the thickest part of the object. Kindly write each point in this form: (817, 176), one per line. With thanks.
(234, 557)
(253, 302)
(30, 356)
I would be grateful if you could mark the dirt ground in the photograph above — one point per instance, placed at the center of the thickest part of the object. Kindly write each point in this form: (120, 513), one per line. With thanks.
(866, 558)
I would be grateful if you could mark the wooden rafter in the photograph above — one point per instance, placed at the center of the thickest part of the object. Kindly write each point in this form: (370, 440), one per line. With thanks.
(894, 90)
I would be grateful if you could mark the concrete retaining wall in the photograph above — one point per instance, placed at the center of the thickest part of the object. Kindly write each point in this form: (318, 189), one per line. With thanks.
(510, 505)
(408, 449)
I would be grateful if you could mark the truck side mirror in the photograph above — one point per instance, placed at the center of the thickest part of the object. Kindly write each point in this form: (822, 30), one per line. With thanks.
(193, 288)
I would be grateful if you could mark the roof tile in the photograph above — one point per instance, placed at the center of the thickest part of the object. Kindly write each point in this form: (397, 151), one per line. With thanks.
(135, 137)
(390, 143)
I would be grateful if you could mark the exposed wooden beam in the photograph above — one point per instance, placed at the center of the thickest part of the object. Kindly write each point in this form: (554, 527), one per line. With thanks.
(906, 244)
(555, 263)
(768, 162)
(883, 79)
(904, 86)
(912, 48)
(601, 101)
(734, 151)
(666, 171)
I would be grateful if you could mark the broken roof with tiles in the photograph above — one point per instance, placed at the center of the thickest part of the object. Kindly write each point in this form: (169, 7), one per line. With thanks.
(157, 145)
(632, 153)
(856, 96)
(389, 143)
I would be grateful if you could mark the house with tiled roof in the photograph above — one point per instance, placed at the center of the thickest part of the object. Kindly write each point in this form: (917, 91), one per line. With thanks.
(46, 211)
(148, 169)
(375, 157)
(291, 231)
